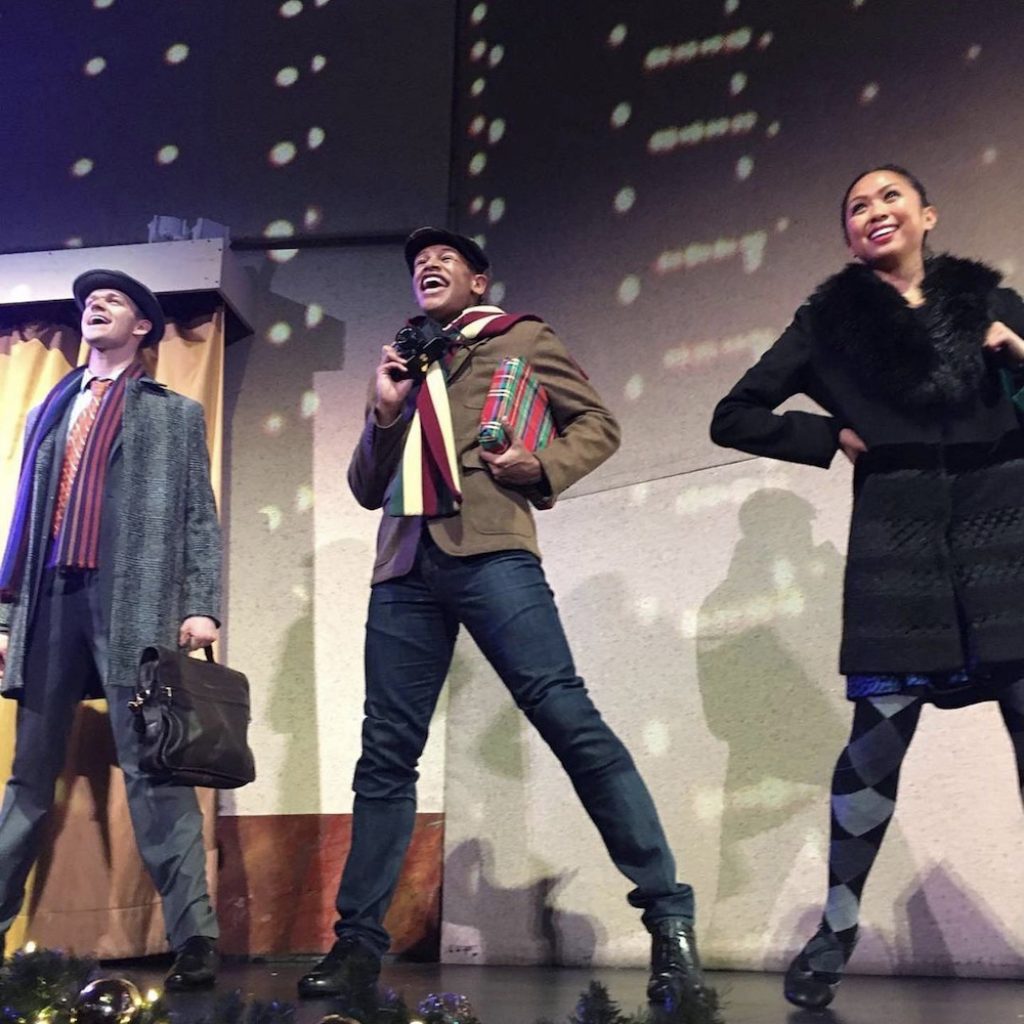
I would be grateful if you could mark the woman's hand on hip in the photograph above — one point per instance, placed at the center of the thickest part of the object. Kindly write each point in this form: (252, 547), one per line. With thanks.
(851, 443)
(1006, 343)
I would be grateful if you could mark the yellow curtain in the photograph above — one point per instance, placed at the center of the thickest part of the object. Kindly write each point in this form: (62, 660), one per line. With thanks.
(90, 892)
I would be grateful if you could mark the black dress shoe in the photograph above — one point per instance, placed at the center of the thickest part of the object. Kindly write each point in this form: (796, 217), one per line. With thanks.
(816, 971)
(349, 971)
(677, 991)
(195, 966)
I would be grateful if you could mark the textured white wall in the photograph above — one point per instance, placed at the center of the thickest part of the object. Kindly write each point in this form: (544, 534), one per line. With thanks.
(703, 611)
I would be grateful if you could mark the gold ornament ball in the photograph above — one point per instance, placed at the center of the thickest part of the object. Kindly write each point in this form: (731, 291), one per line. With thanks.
(107, 1001)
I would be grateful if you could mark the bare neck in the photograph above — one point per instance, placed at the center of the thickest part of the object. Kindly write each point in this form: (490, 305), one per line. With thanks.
(107, 363)
(906, 276)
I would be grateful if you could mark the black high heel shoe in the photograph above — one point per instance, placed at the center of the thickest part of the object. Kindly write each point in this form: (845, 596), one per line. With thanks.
(816, 971)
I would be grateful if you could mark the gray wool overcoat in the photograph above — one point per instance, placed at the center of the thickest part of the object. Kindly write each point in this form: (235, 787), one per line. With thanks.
(159, 535)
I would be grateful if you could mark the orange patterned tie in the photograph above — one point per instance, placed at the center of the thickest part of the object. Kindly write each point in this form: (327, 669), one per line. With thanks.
(77, 437)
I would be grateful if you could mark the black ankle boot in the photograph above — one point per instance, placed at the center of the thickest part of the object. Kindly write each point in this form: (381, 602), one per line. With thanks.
(677, 990)
(349, 972)
(813, 975)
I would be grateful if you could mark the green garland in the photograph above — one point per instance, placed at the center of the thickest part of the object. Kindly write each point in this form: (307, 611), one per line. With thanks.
(48, 987)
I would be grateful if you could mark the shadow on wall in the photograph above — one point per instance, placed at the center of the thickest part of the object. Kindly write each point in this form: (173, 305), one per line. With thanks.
(767, 639)
(564, 937)
(938, 905)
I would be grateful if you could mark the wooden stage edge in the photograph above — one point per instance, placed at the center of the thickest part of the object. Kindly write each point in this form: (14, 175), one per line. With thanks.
(524, 995)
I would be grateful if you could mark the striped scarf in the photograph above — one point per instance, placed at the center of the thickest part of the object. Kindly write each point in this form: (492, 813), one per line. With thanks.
(78, 543)
(427, 480)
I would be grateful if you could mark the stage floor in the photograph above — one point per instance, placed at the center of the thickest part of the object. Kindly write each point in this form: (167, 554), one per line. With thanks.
(522, 995)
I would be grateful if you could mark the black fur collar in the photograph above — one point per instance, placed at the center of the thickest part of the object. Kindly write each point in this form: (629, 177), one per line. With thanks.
(925, 358)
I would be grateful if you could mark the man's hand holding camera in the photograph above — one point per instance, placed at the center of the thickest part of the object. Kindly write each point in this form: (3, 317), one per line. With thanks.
(393, 386)
(516, 466)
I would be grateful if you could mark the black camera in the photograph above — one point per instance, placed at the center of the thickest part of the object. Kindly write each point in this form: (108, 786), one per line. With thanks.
(421, 344)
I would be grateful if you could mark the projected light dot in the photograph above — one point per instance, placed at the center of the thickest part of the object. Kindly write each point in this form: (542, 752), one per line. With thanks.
(314, 315)
(322, 3)
(290, 8)
(737, 83)
(496, 131)
(990, 155)
(634, 387)
(773, 129)
(782, 224)
(765, 41)
(286, 77)
(80, 168)
(310, 404)
(624, 199)
(478, 49)
(646, 609)
(617, 36)
(857, 3)
(74, 242)
(176, 53)
(478, 86)
(656, 738)
(638, 494)
(312, 217)
(497, 55)
(20, 292)
(476, 205)
(497, 292)
(869, 92)
(477, 125)
(273, 515)
(281, 154)
(477, 164)
(315, 137)
(496, 210)
(732, 6)
(280, 229)
(480, 239)
(621, 115)
(94, 66)
(102, 4)
(629, 290)
(478, 14)
(318, 63)
(279, 333)
(973, 52)
(744, 167)
(273, 424)
(166, 155)
(304, 498)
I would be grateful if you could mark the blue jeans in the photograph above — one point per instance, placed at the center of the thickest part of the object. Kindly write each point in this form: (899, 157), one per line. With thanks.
(508, 608)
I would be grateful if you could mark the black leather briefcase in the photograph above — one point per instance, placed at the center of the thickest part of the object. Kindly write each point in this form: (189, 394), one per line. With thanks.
(192, 718)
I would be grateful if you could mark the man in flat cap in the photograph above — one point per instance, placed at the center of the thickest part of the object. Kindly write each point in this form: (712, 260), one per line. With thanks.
(114, 545)
(457, 546)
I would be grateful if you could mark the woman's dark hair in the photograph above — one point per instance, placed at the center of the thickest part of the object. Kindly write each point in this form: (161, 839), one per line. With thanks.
(895, 169)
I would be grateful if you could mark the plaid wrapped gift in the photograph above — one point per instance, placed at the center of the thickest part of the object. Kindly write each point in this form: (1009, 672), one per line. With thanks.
(516, 396)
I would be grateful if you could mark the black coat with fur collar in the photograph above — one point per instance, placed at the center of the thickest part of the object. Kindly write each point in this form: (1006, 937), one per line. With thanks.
(935, 564)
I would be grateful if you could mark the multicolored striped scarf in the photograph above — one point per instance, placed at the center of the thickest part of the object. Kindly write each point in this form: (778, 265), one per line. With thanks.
(427, 480)
(78, 543)
(51, 413)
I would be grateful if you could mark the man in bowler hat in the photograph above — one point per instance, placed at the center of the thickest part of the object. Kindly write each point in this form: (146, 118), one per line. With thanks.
(114, 545)
(457, 547)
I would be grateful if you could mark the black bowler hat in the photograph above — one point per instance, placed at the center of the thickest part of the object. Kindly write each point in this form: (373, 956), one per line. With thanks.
(470, 251)
(149, 306)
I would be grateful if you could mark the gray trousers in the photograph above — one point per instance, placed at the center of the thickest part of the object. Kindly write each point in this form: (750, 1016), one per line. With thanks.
(66, 651)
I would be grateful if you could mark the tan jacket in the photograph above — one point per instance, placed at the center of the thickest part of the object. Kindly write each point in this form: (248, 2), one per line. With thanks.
(492, 517)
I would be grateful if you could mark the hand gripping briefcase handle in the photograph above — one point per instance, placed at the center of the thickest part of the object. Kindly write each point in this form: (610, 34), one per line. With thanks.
(192, 718)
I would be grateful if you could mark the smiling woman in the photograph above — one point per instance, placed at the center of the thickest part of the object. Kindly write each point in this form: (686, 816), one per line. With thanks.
(910, 356)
